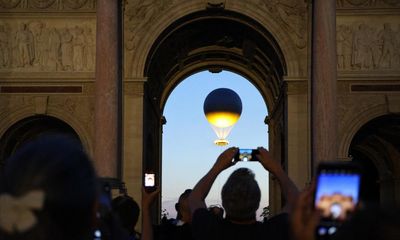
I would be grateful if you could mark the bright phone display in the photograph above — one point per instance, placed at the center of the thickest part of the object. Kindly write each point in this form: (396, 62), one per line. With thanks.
(336, 196)
(149, 180)
(246, 155)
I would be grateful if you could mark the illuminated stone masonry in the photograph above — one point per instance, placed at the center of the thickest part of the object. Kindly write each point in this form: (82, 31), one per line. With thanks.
(51, 44)
(372, 46)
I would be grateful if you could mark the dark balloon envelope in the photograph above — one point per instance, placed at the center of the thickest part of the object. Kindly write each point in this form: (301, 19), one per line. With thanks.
(222, 108)
(222, 100)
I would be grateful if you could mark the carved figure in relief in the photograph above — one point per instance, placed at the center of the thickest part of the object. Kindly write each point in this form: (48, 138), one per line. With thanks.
(41, 37)
(140, 12)
(25, 43)
(362, 57)
(376, 46)
(66, 49)
(78, 48)
(344, 44)
(54, 62)
(90, 48)
(387, 38)
(293, 14)
(396, 55)
(4, 47)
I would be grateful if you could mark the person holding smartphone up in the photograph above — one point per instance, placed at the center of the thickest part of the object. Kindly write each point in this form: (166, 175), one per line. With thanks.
(240, 199)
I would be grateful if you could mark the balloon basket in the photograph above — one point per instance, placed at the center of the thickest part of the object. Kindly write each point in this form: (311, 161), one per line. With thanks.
(221, 142)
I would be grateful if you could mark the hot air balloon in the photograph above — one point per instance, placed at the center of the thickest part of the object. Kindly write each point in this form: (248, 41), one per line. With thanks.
(222, 108)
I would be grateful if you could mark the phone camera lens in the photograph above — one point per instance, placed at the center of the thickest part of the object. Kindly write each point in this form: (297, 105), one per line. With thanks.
(331, 230)
(322, 231)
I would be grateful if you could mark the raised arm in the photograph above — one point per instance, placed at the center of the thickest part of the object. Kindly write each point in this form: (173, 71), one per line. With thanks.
(289, 189)
(147, 200)
(200, 191)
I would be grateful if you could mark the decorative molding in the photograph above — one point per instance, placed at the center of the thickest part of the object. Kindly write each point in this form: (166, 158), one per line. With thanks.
(215, 4)
(40, 89)
(134, 88)
(47, 5)
(375, 88)
(47, 45)
(296, 88)
(367, 4)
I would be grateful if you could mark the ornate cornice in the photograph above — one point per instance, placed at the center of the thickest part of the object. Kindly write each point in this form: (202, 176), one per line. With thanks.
(47, 5)
(367, 4)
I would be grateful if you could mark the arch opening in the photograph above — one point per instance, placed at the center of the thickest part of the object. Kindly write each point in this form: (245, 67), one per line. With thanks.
(188, 150)
(376, 148)
(214, 41)
(30, 128)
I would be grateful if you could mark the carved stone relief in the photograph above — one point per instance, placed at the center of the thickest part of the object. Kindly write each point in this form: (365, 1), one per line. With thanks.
(81, 108)
(49, 46)
(76, 4)
(138, 15)
(292, 14)
(367, 3)
(8, 4)
(368, 47)
(47, 5)
(41, 4)
(350, 106)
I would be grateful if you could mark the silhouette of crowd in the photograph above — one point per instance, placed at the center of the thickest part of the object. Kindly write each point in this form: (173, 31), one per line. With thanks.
(49, 190)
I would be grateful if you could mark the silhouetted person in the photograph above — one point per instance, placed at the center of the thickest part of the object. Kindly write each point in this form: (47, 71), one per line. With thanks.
(127, 210)
(217, 210)
(370, 222)
(172, 229)
(240, 199)
(48, 191)
(183, 214)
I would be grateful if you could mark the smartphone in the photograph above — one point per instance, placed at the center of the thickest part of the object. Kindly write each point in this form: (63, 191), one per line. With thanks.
(336, 195)
(246, 154)
(150, 181)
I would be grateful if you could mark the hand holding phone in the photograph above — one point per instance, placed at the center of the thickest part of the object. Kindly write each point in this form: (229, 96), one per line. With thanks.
(246, 155)
(336, 195)
(150, 181)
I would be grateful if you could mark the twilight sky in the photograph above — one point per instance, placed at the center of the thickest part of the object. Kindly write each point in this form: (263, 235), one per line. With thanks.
(188, 151)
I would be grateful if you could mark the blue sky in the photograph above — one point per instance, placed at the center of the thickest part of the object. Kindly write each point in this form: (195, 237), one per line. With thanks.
(188, 139)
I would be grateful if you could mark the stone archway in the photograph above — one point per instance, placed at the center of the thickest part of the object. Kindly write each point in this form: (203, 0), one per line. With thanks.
(30, 128)
(376, 147)
(214, 41)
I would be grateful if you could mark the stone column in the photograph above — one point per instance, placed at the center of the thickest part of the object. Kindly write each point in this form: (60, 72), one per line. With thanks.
(107, 89)
(323, 82)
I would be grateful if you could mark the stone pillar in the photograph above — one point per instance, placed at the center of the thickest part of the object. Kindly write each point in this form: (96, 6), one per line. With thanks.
(107, 89)
(323, 82)
(133, 136)
(298, 164)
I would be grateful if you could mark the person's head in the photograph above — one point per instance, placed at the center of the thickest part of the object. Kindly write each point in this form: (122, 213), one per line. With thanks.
(182, 207)
(216, 210)
(127, 210)
(54, 183)
(241, 195)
